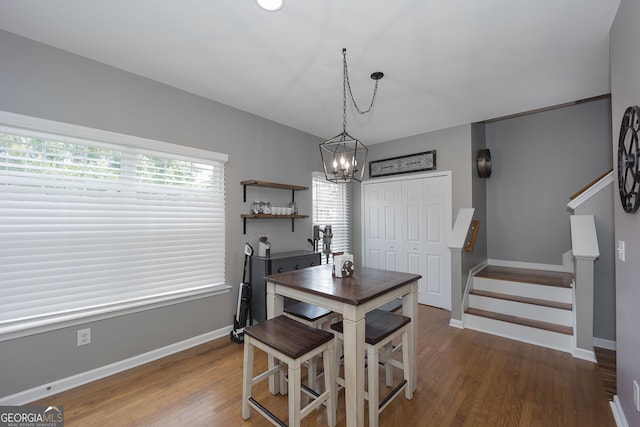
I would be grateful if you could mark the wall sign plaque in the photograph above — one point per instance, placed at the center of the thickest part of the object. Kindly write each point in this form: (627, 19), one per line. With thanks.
(403, 164)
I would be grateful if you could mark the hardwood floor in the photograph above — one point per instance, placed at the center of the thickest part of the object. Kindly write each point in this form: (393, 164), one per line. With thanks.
(466, 378)
(607, 366)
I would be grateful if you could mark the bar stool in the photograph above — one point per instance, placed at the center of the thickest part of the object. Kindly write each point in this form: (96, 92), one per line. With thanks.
(291, 343)
(393, 306)
(316, 317)
(381, 328)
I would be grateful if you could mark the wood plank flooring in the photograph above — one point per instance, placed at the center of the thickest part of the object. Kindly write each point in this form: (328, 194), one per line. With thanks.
(607, 365)
(466, 378)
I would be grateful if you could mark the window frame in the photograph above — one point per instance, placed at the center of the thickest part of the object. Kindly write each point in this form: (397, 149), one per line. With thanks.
(71, 132)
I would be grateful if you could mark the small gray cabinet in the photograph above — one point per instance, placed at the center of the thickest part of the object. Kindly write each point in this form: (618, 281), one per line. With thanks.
(276, 263)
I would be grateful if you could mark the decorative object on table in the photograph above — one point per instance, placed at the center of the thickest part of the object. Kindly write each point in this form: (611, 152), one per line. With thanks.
(483, 163)
(343, 156)
(264, 246)
(628, 162)
(403, 164)
(343, 265)
(243, 310)
(327, 235)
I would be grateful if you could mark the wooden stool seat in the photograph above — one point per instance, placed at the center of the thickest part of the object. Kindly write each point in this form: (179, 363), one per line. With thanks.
(317, 317)
(379, 325)
(381, 328)
(308, 312)
(292, 343)
(392, 306)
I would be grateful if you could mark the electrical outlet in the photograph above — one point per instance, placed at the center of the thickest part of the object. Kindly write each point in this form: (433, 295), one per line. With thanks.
(636, 395)
(84, 336)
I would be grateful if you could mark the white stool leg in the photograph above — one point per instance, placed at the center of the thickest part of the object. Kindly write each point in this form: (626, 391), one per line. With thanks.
(388, 369)
(406, 364)
(294, 396)
(330, 384)
(247, 377)
(312, 372)
(372, 388)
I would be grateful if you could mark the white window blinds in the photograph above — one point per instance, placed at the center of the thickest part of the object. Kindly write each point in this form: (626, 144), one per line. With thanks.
(89, 227)
(331, 206)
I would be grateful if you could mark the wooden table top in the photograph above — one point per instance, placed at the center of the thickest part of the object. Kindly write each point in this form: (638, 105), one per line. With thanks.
(365, 284)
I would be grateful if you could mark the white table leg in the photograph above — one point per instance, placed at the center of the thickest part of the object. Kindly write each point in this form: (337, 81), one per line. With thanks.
(410, 309)
(275, 307)
(354, 369)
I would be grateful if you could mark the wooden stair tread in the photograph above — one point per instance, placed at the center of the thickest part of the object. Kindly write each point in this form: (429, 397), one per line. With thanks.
(526, 300)
(568, 330)
(524, 275)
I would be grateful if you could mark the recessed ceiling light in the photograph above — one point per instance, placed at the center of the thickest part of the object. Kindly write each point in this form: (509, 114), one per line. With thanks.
(270, 5)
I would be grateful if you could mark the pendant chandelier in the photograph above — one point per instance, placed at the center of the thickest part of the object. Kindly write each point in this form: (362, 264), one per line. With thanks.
(343, 156)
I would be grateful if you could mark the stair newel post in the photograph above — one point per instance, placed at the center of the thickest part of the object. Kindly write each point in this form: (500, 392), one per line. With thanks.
(458, 241)
(585, 252)
(456, 287)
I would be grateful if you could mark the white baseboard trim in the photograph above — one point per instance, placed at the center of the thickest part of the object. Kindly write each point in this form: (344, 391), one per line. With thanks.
(529, 265)
(618, 413)
(456, 323)
(606, 344)
(44, 390)
(588, 355)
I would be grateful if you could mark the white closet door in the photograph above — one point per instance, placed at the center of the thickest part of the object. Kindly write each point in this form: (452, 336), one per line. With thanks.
(435, 290)
(407, 223)
(382, 227)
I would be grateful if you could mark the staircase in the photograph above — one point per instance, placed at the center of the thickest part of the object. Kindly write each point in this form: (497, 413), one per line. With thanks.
(533, 306)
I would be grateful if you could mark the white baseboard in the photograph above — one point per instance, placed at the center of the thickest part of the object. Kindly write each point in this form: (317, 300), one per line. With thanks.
(529, 265)
(618, 413)
(606, 344)
(580, 353)
(456, 323)
(44, 390)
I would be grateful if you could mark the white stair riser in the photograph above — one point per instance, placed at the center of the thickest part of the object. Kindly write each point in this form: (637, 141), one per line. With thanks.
(522, 333)
(550, 293)
(528, 311)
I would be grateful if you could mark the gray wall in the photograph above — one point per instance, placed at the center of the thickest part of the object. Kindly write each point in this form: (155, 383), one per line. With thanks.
(625, 91)
(45, 82)
(539, 161)
(479, 200)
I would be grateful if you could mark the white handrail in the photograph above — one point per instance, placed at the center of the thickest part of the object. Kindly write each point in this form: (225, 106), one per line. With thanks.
(591, 191)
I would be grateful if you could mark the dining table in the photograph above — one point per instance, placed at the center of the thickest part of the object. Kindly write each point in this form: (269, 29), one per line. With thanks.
(352, 297)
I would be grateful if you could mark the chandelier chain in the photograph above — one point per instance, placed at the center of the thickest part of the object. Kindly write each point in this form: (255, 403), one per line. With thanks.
(348, 85)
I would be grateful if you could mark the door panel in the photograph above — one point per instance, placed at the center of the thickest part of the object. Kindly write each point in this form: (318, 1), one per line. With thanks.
(381, 225)
(438, 228)
(407, 225)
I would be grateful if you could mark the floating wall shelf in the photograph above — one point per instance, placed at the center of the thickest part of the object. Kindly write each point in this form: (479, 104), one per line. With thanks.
(267, 184)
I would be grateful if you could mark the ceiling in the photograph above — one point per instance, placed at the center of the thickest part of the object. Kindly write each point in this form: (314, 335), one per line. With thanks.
(446, 62)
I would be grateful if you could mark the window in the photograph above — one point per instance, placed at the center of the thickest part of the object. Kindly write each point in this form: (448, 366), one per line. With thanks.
(103, 223)
(331, 206)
